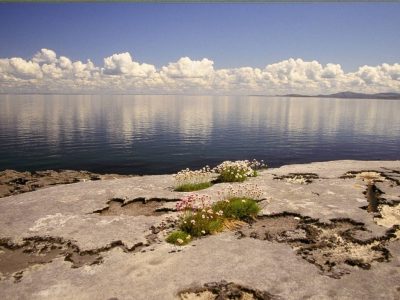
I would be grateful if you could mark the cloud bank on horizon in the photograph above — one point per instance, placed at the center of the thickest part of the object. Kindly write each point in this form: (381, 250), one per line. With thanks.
(46, 72)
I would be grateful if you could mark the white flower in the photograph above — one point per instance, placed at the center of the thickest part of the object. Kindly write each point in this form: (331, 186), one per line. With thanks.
(193, 177)
(180, 241)
(192, 221)
(203, 232)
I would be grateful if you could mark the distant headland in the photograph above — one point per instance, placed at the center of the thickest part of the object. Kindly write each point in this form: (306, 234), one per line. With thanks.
(350, 95)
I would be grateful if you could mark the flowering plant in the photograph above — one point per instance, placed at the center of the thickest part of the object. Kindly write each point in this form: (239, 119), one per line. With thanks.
(193, 202)
(191, 180)
(239, 202)
(237, 171)
(257, 165)
(249, 191)
(199, 216)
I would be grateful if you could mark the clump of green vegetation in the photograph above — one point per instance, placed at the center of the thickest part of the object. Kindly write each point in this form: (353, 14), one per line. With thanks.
(201, 223)
(239, 170)
(193, 180)
(179, 237)
(238, 208)
(234, 171)
(199, 217)
(190, 187)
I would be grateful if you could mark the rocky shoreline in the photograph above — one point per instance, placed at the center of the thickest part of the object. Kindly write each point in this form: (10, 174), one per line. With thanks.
(315, 238)
(13, 182)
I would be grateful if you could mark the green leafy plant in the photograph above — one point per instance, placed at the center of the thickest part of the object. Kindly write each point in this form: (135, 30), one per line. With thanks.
(238, 208)
(199, 217)
(179, 237)
(201, 223)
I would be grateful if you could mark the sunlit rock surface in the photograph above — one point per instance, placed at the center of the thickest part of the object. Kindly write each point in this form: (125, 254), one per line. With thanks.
(315, 238)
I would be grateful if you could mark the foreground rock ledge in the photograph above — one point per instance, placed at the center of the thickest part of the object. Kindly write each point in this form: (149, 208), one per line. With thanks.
(106, 240)
(13, 182)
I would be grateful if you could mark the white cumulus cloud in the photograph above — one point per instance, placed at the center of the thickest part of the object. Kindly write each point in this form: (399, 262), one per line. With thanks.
(45, 56)
(122, 64)
(47, 72)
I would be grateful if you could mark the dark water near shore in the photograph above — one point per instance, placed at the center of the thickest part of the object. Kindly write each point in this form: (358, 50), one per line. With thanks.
(163, 134)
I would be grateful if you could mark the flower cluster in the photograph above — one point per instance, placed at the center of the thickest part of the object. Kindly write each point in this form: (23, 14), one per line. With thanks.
(257, 165)
(194, 202)
(198, 218)
(234, 171)
(193, 177)
(248, 191)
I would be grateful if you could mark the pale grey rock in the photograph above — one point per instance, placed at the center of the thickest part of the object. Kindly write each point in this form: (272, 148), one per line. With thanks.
(157, 270)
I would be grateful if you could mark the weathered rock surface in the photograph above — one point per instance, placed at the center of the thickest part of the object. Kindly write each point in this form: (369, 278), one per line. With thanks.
(13, 182)
(314, 239)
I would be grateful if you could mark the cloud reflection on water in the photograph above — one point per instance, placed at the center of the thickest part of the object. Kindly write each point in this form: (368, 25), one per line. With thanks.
(140, 127)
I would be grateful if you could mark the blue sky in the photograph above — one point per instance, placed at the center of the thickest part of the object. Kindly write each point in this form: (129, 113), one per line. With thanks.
(232, 35)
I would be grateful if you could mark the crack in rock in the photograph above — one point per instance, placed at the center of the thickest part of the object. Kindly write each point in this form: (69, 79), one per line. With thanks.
(17, 257)
(136, 207)
(385, 212)
(302, 178)
(392, 176)
(224, 290)
(333, 248)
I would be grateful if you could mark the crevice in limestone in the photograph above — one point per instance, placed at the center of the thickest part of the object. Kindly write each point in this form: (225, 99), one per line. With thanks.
(17, 257)
(333, 247)
(302, 178)
(136, 207)
(377, 176)
(224, 290)
(385, 212)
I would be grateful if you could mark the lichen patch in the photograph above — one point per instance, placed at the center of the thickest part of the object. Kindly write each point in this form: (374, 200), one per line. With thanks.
(331, 247)
(16, 258)
(389, 216)
(298, 178)
(225, 290)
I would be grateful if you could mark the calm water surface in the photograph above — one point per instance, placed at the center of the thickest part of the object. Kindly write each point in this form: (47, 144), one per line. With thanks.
(163, 134)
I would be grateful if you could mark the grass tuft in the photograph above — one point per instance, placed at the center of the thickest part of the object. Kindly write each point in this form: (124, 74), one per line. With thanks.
(238, 208)
(190, 187)
(201, 223)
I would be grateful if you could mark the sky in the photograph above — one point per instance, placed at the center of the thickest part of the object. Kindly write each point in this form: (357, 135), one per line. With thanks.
(200, 48)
